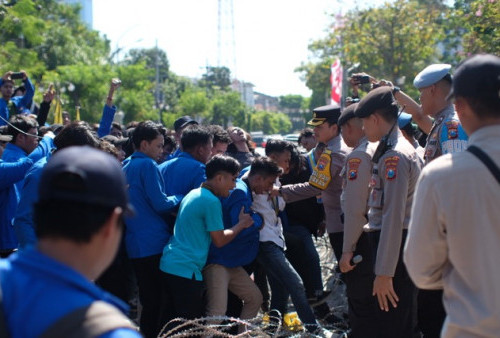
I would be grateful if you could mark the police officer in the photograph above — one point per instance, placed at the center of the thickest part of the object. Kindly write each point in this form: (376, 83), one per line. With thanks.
(325, 176)
(394, 176)
(356, 177)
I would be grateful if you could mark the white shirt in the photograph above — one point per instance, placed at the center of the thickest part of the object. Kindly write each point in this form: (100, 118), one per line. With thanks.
(454, 237)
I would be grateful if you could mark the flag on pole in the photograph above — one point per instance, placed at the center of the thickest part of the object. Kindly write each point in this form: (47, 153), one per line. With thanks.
(336, 81)
(58, 112)
(77, 117)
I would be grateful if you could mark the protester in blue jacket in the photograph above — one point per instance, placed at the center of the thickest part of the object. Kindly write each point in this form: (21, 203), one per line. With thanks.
(18, 103)
(82, 198)
(224, 270)
(147, 233)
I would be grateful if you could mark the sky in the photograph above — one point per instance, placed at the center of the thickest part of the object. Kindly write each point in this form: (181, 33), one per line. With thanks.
(270, 36)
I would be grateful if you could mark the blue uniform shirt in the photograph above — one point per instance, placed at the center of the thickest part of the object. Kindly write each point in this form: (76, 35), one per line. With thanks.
(186, 254)
(38, 291)
(243, 249)
(146, 232)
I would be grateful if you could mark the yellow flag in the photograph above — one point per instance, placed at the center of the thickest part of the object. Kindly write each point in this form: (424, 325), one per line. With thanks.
(58, 112)
(77, 113)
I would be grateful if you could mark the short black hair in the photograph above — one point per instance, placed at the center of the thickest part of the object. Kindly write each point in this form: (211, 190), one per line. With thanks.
(274, 146)
(219, 134)
(20, 122)
(389, 114)
(146, 131)
(265, 167)
(222, 163)
(194, 135)
(306, 132)
(77, 133)
(66, 219)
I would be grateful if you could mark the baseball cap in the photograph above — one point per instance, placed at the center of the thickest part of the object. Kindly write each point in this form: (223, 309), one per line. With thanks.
(478, 77)
(431, 74)
(183, 121)
(85, 175)
(378, 98)
(325, 113)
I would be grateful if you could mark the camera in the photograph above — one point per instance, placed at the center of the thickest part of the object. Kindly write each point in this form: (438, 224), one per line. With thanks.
(17, 75)
(361, 79)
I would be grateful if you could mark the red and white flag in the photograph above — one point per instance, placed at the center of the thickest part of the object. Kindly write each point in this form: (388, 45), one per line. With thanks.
(336, 81)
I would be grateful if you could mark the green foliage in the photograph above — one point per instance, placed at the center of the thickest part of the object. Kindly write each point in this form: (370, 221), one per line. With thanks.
(270, 122)
(216, 78)
(150, 56)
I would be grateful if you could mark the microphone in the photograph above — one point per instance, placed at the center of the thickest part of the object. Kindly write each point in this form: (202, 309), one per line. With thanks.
(356, 260)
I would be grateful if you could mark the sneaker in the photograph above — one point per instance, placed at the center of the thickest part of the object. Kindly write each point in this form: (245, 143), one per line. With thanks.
(316, 301)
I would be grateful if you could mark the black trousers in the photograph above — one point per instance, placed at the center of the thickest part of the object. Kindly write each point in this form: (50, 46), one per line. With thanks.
(431, 313)
(149, 282)
(397, 322)
(359, 285)
(337, 241)
(183, 298)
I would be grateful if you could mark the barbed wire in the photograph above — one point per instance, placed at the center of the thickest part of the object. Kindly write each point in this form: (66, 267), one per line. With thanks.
(271, 324)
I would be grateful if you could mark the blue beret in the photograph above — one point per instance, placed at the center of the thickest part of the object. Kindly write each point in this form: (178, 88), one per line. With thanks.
(431, 74)
(403, 119)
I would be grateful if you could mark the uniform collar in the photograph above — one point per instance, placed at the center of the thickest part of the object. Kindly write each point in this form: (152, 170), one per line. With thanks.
(334, 143)
(12, 147)
(485, 133)
(439, 117)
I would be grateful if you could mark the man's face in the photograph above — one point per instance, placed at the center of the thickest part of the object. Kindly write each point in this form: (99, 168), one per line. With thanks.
(283, 160)
(308, 142)
(370, 128)
(237, 135)
(227, 183)
(426, 99)
(154, 148)
(28, 143)
(263, 184)
(7, 89)
(205, 152)
(325, 132)
(219, 148)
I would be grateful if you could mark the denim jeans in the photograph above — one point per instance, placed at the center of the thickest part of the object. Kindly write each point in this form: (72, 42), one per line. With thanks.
(312, 257)
(284, 280)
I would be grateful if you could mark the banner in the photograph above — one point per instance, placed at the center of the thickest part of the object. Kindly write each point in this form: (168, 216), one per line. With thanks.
(336, 81)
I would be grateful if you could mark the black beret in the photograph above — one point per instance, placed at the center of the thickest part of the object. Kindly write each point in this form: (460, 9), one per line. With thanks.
(322, 114)
(379, 98)
(347, 114)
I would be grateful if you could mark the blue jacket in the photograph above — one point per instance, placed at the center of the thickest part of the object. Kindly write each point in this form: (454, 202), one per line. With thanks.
(23, 220)
(38, 291)
(182, 174)
(147, 233)
(20, 102)
(108, 114)
(9, 174)
(242, 250)
(10, 195)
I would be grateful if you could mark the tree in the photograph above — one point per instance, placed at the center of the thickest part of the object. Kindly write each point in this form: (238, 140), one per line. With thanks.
(216, 78)
(150, 56)
(395, 42)
(226, 107)
(270, 122)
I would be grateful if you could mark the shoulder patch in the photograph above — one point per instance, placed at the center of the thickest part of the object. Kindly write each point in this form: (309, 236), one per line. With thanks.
(452, 127)
(391, 167)
(352, 168)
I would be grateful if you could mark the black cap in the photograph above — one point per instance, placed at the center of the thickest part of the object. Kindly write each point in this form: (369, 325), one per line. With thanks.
(116, 141)
(347, 114)
(379, 98)
(85, 175)
(478, 77)
(322, 114)
(183, 121)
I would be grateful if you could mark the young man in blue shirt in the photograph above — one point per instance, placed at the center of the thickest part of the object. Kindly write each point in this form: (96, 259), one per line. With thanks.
(199, 223)
(147, 233)
(18, 103)
(79, 225)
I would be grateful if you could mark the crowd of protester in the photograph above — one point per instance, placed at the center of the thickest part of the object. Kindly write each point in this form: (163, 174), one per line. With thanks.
(207, 227)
